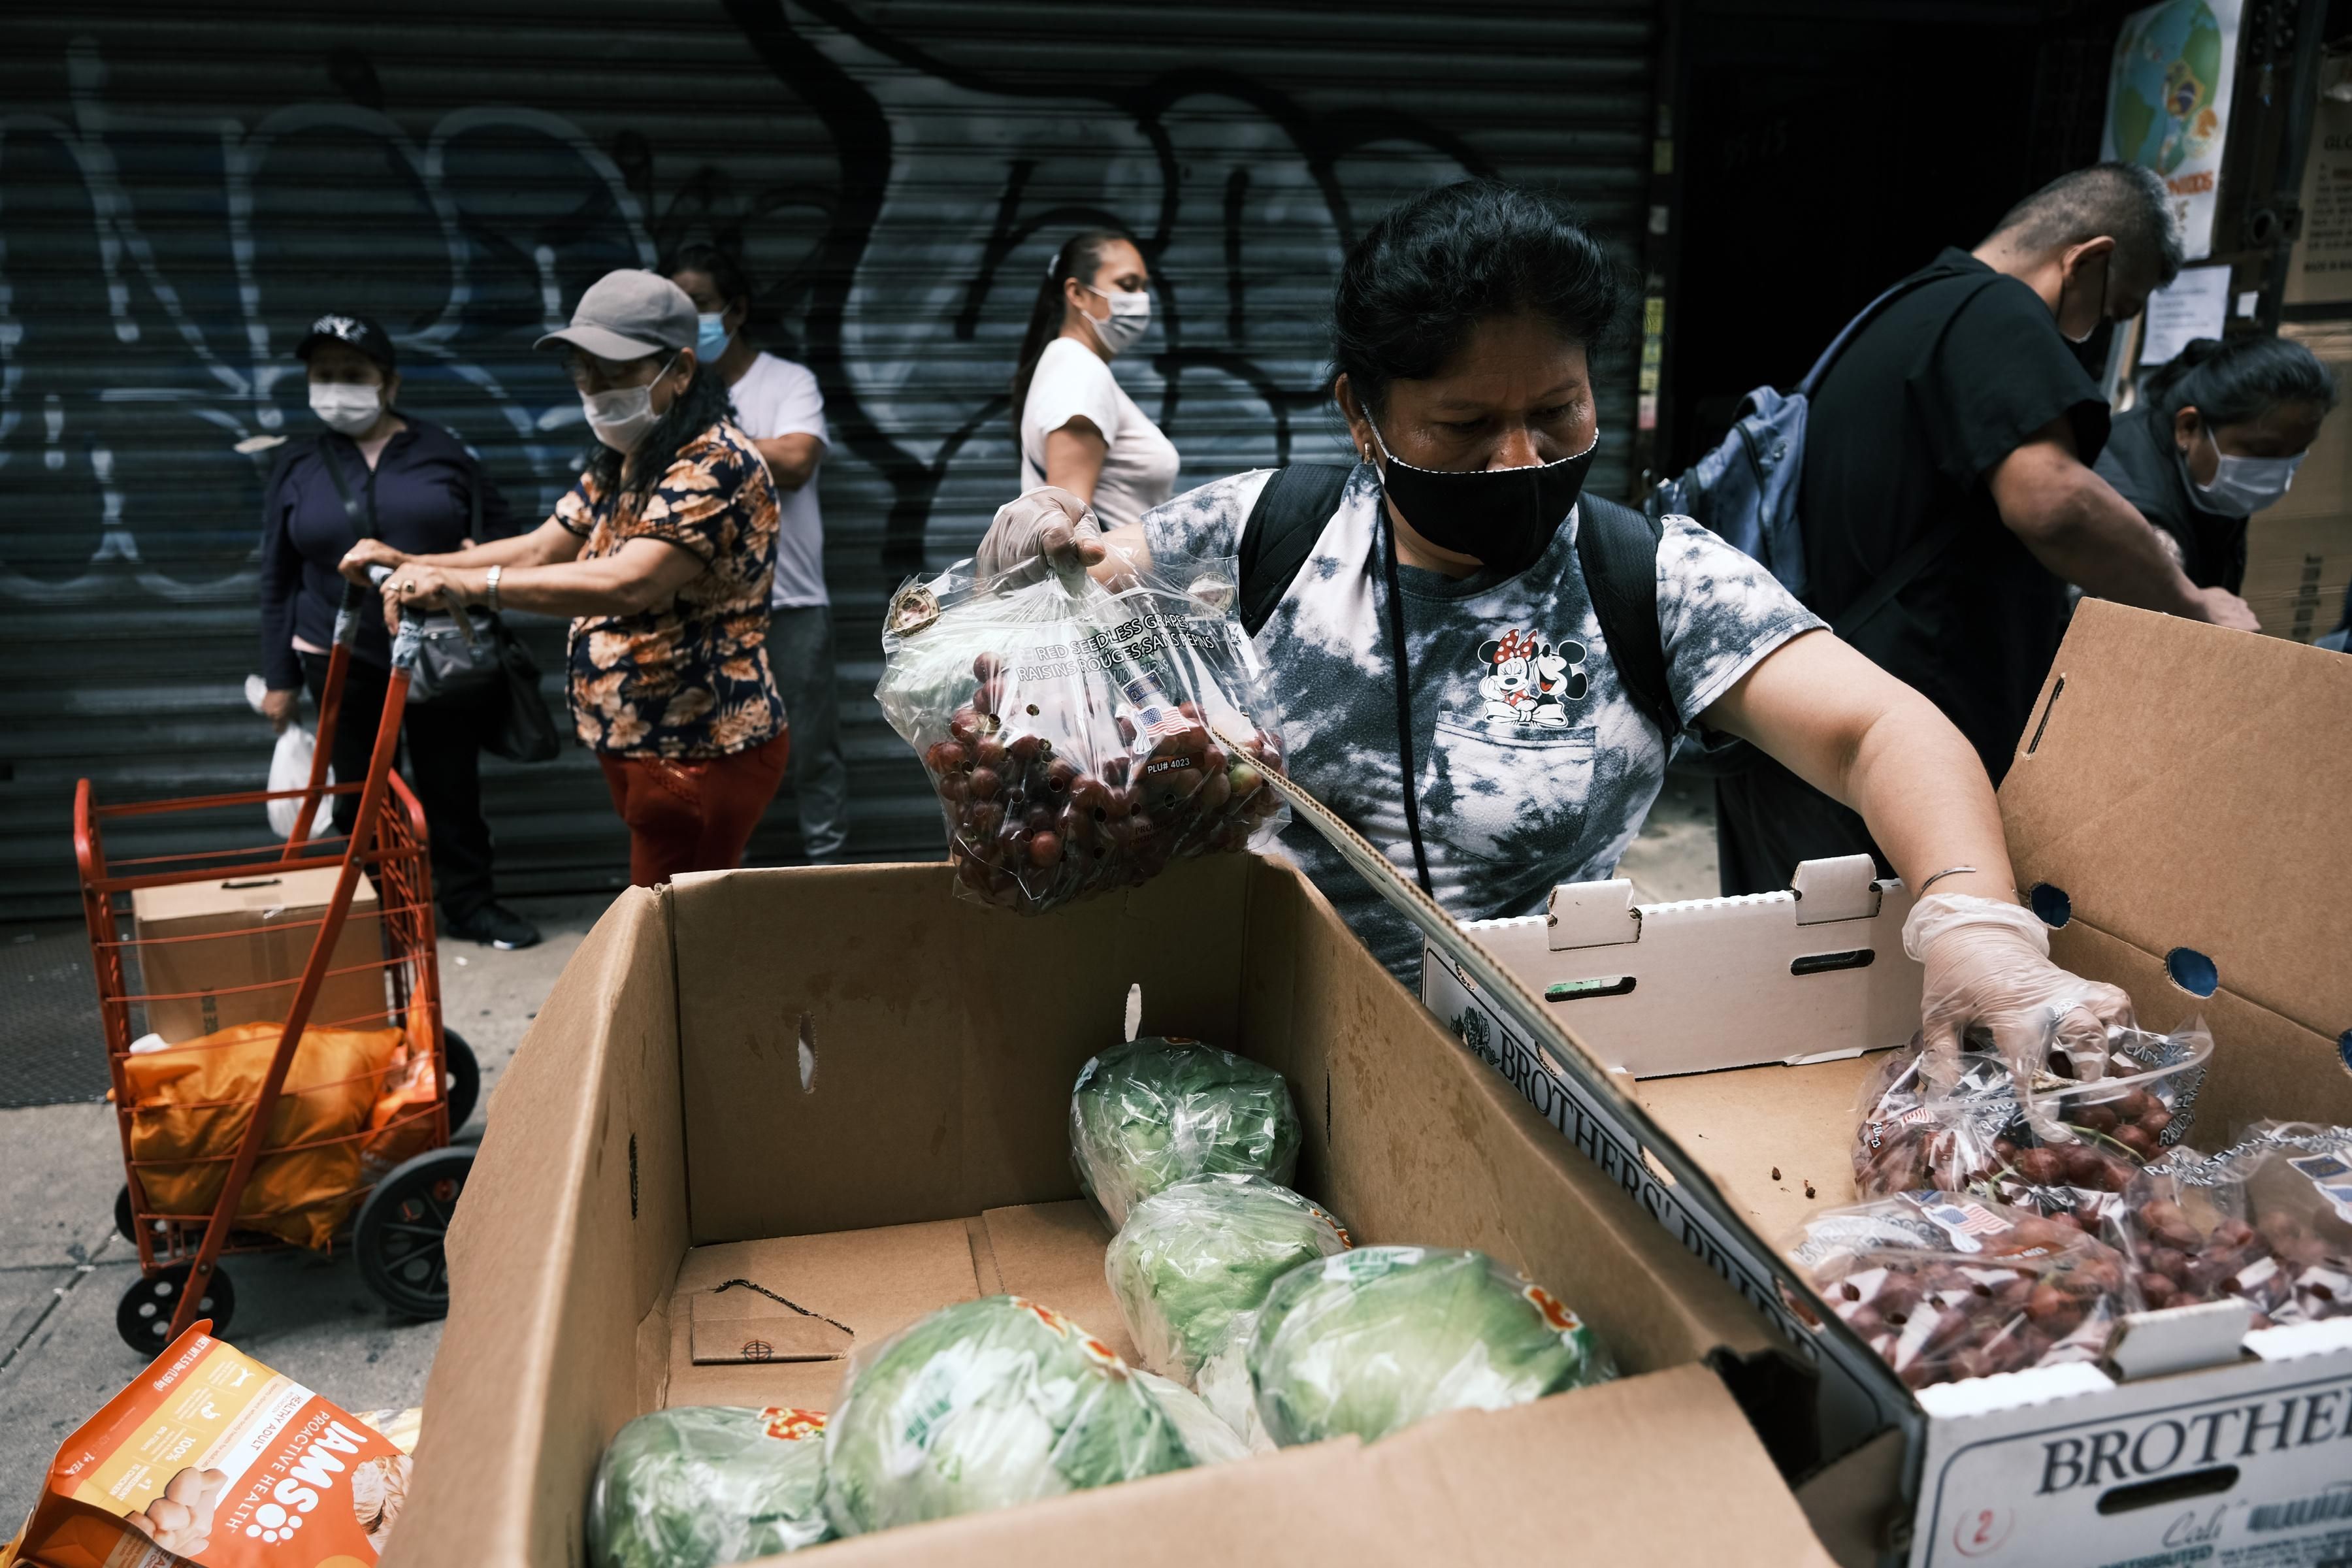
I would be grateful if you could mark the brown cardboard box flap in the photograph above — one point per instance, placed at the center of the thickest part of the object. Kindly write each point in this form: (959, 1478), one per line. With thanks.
(601, 1129)
(2147, 787)
(1502, 1488)
(741, 1322)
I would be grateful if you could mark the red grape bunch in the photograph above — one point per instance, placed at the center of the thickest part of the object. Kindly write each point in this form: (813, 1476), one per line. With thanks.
(1044, 805)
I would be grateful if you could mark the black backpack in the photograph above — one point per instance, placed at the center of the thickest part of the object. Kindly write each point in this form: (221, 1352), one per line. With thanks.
(1616, 545)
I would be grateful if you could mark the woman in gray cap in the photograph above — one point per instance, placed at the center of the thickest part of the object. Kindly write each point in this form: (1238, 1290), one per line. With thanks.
(661, 552)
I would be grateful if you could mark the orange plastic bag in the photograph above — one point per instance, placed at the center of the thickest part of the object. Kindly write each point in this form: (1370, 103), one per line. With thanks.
(397, 1129)
(212, 1458)
(193, 1102)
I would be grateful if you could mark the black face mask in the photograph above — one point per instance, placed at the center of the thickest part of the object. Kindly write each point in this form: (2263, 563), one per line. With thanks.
(1505, 518)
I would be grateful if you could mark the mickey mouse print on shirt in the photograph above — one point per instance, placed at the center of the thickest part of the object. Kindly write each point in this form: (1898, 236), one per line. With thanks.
(1522, 680)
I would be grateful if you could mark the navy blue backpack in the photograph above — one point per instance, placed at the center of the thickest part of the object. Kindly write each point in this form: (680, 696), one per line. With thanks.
(1745, 490)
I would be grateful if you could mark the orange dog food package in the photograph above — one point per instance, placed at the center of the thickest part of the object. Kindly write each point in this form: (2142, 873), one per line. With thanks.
(212, 1458)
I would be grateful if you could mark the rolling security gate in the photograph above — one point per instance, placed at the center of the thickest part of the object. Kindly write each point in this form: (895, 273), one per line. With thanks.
(182, 187)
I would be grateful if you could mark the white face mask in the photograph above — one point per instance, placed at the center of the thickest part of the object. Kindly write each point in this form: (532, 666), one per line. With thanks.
(621, 418)
(1130, 317)
(346, 407)
(2243, 486)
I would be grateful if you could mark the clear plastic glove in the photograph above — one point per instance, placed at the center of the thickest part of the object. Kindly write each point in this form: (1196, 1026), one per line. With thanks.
(1047, 529)
(1988, 964)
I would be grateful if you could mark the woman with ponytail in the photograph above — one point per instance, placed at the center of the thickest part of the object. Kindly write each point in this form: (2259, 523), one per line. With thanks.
(2217, 437)
(1080, 430)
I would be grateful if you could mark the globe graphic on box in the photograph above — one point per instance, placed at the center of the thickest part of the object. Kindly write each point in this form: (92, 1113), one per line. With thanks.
(2168, 75)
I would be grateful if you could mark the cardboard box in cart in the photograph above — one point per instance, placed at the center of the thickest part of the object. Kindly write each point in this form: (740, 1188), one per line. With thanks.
(848, 1089)
(232, 952)
(2179, 806)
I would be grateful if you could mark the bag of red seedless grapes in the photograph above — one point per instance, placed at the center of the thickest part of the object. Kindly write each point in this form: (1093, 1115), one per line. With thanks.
(2067, 1149)
(2268, 1220)
(1080, 737)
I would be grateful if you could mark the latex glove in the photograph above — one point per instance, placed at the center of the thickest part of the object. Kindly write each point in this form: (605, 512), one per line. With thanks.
(1045, 528)
(1988, 963)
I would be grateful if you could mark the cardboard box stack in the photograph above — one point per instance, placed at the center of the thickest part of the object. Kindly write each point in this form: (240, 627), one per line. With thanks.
(2299, 552)
(851, 1090)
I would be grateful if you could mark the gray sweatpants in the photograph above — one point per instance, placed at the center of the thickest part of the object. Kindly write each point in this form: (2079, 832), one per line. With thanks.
(800, 653)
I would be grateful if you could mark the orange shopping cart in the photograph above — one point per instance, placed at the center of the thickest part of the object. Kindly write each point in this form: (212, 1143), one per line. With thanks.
(310, 1106)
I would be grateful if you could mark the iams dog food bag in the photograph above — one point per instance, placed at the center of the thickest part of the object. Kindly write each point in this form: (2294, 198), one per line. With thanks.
(211, 1457)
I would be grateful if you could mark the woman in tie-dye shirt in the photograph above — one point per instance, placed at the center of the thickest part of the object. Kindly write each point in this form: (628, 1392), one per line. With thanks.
(1513, 758)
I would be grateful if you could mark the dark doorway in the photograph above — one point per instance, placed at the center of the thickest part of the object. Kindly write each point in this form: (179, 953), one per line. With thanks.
(1829, 148)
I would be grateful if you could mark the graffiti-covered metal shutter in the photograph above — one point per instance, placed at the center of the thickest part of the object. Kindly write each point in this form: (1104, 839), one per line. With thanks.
(184, 186)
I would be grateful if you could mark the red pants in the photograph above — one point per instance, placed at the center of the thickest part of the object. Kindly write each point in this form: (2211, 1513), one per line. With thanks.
(693, 813)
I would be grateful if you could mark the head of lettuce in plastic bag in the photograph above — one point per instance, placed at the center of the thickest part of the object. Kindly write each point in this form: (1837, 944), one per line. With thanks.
(1193, 1264)
(1150, 1114)
(704, 1485)
(1372, 1340)
(984, 1404)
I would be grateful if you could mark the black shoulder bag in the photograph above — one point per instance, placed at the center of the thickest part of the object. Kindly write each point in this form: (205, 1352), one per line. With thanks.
(449, 668)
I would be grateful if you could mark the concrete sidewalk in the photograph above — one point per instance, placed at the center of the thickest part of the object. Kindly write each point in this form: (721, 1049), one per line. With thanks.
(63, 1269)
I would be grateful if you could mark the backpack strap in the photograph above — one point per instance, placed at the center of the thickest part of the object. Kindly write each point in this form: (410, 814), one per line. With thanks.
(362, 523)
(1281, 532)
(1924, 550)
(1812, 385)
(1618, 548)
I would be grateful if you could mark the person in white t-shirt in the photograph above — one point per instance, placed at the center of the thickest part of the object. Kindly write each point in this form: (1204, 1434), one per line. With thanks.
(777, 405)
(1080, 430)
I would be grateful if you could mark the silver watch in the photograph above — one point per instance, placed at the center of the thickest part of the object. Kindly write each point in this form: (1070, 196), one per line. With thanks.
(490, 582)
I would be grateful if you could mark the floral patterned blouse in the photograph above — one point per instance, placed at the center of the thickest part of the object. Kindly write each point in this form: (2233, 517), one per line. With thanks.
(689, 678)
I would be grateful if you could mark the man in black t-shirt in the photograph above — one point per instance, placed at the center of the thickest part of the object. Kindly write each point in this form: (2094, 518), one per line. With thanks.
(1956, 434)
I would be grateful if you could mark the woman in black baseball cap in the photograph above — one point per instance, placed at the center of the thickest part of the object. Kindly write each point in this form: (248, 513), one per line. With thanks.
(662, 553)
(377, 471)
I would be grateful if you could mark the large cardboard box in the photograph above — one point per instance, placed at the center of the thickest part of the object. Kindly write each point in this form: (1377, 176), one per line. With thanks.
(232, 952)
(2176, 810)
(2298, 569)
(850, 1089)
(2299, 552)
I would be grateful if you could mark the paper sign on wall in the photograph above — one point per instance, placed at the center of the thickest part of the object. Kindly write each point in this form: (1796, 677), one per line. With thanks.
(2197, 305)
(2168, 104)
(2322, 270)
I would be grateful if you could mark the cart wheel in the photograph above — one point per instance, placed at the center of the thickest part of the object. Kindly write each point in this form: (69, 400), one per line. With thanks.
(465, 1079)
(401, 1229)
(144, 1318)
(126, 1223)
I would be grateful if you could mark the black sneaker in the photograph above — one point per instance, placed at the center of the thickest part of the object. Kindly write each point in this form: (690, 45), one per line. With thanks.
(492, 925)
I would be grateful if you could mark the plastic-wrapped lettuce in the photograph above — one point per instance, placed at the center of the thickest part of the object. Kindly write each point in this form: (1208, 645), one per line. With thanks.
(1148, 1114)
(1205, 1434)
(984, 1404)
(1193, 1263)
(705, 1485)
(1372, 1340)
